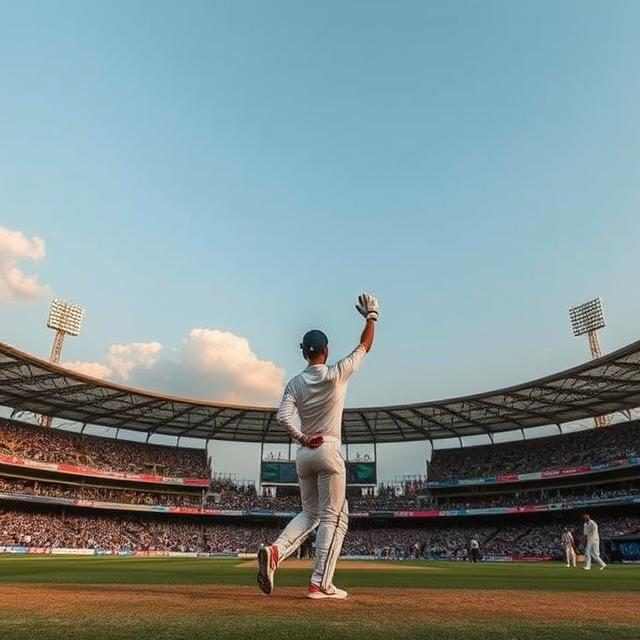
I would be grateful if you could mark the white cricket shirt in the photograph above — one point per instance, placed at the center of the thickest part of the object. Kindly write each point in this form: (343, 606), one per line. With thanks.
(318, 395)
(591, 531)
(567, 538)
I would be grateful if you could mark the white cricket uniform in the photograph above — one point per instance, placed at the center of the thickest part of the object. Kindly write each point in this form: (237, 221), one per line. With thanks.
(318, 394)
(475, 550)
(592, 547)
(569, 548)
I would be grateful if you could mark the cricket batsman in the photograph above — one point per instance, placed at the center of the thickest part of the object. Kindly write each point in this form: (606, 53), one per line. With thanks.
(569, 547)
(317, 395)
(592, 543)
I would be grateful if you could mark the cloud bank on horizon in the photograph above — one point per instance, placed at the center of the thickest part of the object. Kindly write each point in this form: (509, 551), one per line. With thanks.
(15, 285)
(120, 361)
(209, 364)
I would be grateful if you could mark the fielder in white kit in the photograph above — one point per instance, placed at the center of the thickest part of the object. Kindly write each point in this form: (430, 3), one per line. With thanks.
(317, 395)
(592, 543)
(569, 547)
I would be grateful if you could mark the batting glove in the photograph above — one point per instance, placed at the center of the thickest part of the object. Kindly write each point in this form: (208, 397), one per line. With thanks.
(368, 306)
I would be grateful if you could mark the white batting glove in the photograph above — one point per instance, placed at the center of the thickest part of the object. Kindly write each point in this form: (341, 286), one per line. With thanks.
(368, 306)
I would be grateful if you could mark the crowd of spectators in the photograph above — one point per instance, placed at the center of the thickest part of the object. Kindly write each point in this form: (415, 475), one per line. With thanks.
(21, 528)
(101, 494)
(384, 501)
(243, 501)
(523, 539)
(390, 498)
(42, 444)
(411, 486)
(540, 496)
(231, 496)
(451, 542)
(225, 495)
(410, 494)
(589, 447)
(428, 540)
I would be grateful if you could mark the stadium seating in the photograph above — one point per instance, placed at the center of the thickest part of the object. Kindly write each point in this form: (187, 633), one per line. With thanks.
(43, 526)
(534, 497)
(156, 534)
(244, 497)
(589, 447)
(524, 539)
(113, 533)
(65, 447)
(103, 494)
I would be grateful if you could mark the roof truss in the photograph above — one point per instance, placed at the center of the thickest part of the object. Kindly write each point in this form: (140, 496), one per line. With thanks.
(606, 385)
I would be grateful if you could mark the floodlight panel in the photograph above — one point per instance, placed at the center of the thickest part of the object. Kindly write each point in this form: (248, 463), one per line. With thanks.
(65, 316)
(586, 317)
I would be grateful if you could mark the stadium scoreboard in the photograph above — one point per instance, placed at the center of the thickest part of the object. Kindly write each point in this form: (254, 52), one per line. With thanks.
(279, 472)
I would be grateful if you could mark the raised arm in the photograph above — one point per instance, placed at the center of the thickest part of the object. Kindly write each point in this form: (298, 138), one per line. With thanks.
(343, 369)
(368, 306)
(368, 333)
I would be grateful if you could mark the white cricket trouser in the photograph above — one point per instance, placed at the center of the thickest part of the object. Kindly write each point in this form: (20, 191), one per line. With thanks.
(592, 552)
(322, 478)
(570, 552)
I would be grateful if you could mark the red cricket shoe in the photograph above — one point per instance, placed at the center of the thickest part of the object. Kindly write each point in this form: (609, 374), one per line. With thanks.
(317, 593)
(267, 564)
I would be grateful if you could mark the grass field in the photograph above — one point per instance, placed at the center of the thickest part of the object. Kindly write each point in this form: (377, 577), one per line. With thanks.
(156, 598)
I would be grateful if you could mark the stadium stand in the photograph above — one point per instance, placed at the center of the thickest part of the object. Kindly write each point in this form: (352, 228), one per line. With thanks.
(29, 521)
(535, 496)
(157, 534)
(589, 447)
(40, 444)
(244, 497)
(524, 539)
(114, 533)
(105, 494)
(388, 501)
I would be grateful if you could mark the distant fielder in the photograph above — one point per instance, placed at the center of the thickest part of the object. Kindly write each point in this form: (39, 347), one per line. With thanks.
(475, 549)
(592, 543)
(317, 395)
(569, 546)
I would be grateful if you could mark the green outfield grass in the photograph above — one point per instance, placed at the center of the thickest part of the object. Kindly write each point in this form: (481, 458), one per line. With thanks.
(232, 628)
(546, 576)
(26, 617)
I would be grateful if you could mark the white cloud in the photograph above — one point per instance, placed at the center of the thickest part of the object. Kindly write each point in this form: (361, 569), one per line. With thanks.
(15, 285)
(210, 364)
(93, 369)
(123, 358)
(224, 363)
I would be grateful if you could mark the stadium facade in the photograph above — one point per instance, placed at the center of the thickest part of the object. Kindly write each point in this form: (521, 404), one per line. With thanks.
(62, 490)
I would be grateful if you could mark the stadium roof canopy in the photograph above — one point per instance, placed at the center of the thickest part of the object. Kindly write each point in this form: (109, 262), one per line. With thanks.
(603, 386)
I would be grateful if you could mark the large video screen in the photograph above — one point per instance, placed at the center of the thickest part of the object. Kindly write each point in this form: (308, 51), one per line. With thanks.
(285, 473)
(361, 473)
(278, 473)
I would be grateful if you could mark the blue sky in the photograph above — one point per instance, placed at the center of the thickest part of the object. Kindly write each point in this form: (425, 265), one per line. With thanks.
(250, 167)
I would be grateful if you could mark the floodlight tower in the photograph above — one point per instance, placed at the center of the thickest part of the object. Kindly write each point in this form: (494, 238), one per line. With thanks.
(65, 319)
(588, 318)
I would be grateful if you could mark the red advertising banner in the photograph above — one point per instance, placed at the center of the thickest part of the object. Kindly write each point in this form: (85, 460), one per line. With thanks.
(100, 473)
